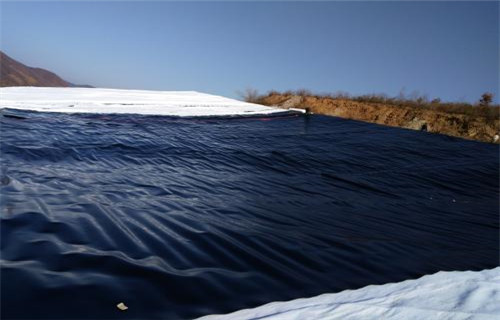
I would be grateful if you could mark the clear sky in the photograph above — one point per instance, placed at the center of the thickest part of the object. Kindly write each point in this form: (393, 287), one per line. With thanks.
(443, 49)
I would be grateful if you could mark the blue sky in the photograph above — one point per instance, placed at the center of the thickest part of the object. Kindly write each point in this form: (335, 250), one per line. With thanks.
(442, 49)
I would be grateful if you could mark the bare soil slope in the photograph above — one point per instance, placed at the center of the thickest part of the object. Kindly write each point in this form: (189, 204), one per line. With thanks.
(472, 127)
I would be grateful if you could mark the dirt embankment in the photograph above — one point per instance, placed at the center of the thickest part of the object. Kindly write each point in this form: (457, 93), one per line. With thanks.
(452, 124)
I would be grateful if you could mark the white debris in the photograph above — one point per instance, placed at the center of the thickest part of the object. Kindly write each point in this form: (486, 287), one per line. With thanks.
(122, 306)
(96, 100)
(298, 110)
(444, 295)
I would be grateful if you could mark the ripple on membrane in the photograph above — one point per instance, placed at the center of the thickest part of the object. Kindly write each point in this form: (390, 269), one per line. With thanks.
(179, 218)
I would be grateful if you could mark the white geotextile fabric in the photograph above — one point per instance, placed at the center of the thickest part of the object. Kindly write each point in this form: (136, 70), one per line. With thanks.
(444, 295)
(97, 100)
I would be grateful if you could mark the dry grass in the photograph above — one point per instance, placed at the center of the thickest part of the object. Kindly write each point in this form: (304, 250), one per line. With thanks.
(250, 95)
(479, 109)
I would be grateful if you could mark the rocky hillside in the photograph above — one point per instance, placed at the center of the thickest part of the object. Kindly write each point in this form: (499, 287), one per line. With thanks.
(469, 126)
(13, 73)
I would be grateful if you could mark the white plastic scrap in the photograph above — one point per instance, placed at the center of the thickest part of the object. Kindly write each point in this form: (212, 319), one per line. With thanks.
(122, 306)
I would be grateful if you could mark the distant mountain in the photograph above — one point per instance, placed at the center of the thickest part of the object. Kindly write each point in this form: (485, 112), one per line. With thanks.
(14, 73)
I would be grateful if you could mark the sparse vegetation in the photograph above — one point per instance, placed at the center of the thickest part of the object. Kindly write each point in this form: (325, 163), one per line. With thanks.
(484, 108)
(250, 95)
(486, 99)
(477, 121)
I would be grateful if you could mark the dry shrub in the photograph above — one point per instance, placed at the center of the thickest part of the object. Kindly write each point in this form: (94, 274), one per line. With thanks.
(250, 95)
(483, 108)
